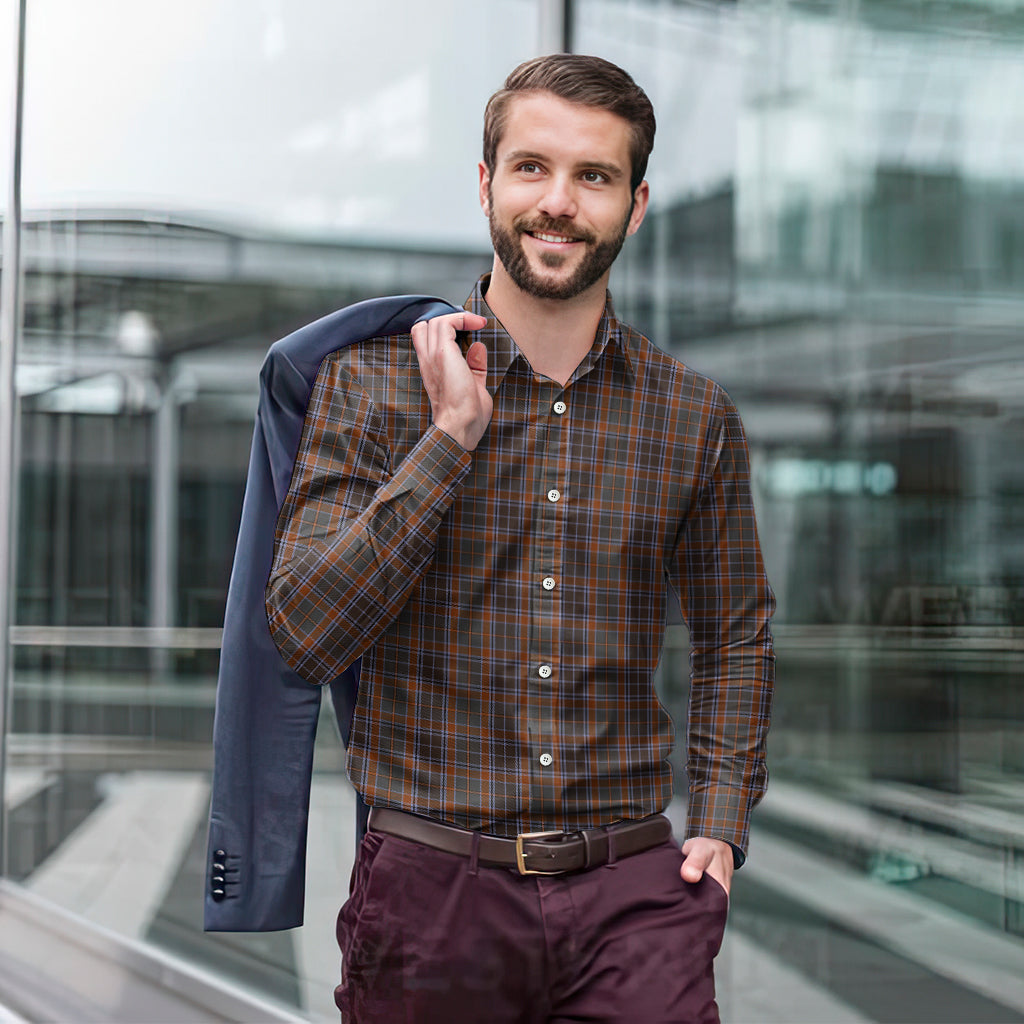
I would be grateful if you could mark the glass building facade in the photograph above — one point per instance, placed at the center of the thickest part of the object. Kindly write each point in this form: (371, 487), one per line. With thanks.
(836, 235)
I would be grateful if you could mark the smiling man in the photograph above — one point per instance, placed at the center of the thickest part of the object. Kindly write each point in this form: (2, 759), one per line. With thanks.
(490, 512)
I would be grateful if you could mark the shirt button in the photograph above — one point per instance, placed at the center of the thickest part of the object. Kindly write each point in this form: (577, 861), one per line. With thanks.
(548, 583)
(546, 759)
(559, 407)
(554, 494)
(544, 671)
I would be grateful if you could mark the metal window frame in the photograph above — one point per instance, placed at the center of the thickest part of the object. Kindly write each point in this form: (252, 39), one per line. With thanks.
(554, 26)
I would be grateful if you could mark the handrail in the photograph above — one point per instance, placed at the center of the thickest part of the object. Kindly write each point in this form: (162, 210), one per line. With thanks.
(167, 637)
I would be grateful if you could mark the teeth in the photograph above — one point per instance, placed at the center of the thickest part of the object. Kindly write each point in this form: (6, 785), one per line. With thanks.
(551, 238)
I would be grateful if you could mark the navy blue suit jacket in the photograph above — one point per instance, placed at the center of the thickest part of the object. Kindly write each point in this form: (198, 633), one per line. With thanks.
(266, 715)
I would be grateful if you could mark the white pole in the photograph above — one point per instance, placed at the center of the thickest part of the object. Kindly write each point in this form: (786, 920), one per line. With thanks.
(10, 317)
(552, 26)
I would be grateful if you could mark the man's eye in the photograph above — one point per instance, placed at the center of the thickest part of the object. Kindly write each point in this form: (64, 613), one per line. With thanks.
(529, 168)
(593, 177)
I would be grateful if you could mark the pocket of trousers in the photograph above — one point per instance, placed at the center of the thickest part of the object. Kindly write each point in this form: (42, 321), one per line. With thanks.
(370, 929)
(718, 888)
(359, 885)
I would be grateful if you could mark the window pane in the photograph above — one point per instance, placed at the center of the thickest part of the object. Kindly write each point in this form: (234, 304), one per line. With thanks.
(201, 178)
(836, 236)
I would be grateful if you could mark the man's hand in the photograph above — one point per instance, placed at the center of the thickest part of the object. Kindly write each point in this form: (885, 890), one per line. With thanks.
(710, 855)
(457, 387)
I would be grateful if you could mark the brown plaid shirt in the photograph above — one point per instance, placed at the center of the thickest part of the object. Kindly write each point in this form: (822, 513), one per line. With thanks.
(509, 604)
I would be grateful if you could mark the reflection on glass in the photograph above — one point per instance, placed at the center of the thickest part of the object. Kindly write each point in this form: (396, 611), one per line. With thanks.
(854, 278)
(200, 179)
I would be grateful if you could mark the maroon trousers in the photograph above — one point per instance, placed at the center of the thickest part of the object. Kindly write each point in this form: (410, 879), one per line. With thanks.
(430, 937)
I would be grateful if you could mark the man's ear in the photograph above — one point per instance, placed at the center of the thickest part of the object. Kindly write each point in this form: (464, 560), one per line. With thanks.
(485, 186)
(640, 199)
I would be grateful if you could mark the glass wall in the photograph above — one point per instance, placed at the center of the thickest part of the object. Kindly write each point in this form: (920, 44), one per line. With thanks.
(836, 235)
(199, 180)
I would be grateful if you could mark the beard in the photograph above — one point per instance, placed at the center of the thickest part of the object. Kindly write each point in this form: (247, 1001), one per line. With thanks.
(599, 255)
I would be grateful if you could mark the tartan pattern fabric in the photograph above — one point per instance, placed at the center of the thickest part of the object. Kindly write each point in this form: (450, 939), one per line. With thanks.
(509, 604)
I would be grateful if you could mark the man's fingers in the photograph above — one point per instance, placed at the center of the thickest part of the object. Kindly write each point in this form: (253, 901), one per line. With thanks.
(477, 357)
(695, 865)
(447, 324)
(707, 856)
(456, 386)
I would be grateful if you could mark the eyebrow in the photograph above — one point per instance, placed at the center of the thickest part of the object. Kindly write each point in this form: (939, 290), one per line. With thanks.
(613, 171)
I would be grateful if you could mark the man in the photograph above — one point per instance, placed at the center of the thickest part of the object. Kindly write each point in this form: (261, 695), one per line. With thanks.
(489, 513)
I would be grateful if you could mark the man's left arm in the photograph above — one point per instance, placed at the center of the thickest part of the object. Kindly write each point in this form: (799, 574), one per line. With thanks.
(727, 603)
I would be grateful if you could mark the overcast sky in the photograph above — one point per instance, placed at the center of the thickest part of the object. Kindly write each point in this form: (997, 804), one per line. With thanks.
(336, 117)
(327, 116)
(360, 119)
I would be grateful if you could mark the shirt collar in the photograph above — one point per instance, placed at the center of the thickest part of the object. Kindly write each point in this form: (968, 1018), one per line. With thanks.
(502, 351)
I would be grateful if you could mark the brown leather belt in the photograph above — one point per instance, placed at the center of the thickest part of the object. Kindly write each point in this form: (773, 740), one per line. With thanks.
(531, 853)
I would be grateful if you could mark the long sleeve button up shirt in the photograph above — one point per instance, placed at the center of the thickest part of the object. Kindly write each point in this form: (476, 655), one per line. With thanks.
(509, 604)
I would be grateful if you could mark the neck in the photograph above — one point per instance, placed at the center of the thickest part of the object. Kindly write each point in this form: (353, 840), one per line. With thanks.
(553, 334)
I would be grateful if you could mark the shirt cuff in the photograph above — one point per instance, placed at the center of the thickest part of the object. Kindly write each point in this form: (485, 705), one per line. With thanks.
(720, 814)
(435, 465)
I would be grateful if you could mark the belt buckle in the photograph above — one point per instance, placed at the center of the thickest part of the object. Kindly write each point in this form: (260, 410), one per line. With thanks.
(521, 855)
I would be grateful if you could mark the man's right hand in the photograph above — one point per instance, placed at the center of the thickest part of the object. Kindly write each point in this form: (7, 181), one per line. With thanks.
(460, 403)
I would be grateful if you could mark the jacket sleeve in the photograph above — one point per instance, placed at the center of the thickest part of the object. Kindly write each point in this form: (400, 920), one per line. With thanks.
(727, 604)
(355, 533)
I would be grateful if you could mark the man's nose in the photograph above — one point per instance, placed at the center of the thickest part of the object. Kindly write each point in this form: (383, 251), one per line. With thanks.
(559, 199)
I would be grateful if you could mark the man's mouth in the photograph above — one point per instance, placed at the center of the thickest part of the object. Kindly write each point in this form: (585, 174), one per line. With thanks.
(545, 236)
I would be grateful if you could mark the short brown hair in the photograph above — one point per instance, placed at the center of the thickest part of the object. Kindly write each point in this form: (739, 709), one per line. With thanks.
(577, 78)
